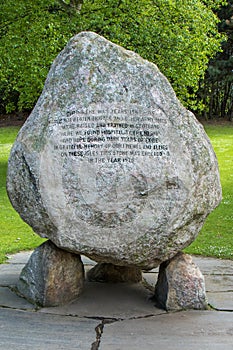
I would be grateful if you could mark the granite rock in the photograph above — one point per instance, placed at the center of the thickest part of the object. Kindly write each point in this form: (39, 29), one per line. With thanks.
(180, 285)
(110, 164)
(104, 272)
(51, 276)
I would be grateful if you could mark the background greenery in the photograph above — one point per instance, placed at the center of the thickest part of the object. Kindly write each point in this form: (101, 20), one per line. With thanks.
(215, 93)
(180, 36)
(215, 239)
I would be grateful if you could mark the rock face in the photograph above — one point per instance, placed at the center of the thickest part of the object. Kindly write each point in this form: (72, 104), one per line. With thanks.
(180, 285)
(104, 272)
(52, 276)
(109, 164)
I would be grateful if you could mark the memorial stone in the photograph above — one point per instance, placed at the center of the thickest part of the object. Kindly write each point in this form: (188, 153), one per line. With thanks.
(110, 164)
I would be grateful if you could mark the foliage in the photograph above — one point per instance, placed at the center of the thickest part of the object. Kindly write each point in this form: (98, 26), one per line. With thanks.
(179, 36)
(30, 39)
(216, 91)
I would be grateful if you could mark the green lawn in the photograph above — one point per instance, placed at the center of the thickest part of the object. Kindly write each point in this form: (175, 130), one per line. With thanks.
(216, 236)
(215, 239)
(15, 235)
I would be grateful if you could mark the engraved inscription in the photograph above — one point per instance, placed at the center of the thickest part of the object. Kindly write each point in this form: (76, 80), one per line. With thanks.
(112, 135)
(105, 154)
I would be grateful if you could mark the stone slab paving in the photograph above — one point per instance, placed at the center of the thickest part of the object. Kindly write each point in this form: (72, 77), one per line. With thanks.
(212, 266)
(19, 258)
(29, 330)
(117, 316)
(106, 300)
(9, 274)
(219, 283)
(9, 299)
(192, 330)
(218, 276)
(221, 301)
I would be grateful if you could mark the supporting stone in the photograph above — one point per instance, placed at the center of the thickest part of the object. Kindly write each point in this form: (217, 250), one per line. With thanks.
(105, 272)
(52, 276)
(180, 285)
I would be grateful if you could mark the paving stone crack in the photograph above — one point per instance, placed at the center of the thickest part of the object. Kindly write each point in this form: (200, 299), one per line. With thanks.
(224, 310)
(99, 331)
(218, 274)
(18, 308)
(220, 291)
(146, 316)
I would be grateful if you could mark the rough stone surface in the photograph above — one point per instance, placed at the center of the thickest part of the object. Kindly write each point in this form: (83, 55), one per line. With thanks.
(104, 272)
(109, 164)
(52, 276)
(180, 285)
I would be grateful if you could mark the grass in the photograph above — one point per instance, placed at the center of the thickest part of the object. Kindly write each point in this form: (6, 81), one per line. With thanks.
(215, 238)
(15, 234)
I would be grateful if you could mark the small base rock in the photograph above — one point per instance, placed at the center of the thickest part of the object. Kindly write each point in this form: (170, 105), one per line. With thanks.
(106, 272)
(180, 285)
(52, 276)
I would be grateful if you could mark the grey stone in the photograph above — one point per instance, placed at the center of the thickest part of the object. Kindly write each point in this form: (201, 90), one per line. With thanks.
(52, 276)
(192, 330)
(104, 272)
(110, 164)
(31, 330)
(180, 285)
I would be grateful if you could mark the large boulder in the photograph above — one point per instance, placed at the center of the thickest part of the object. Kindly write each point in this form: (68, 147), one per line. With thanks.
(110, 164)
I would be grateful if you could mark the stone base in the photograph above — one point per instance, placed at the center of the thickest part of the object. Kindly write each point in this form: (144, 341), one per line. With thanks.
(52, 276)
(105, 272)
(180, 285)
